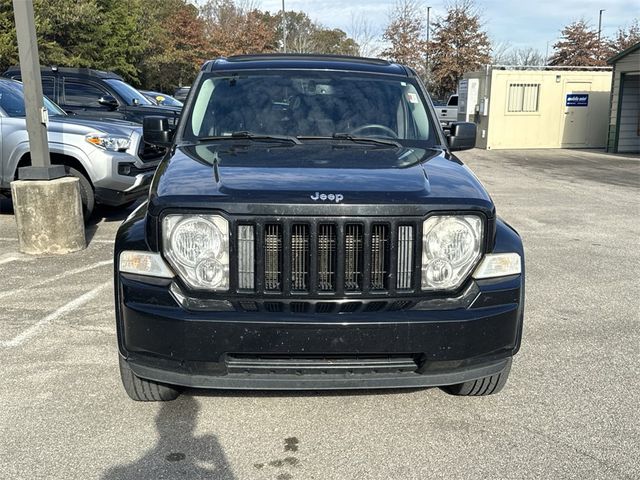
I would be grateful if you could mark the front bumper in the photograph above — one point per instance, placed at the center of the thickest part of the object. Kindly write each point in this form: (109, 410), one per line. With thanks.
(448, 343)
(116, 197)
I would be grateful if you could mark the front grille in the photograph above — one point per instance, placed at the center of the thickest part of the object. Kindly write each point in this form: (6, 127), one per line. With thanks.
(327, 257)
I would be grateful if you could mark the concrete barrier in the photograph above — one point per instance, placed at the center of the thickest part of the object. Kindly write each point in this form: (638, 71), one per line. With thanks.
(49, 216)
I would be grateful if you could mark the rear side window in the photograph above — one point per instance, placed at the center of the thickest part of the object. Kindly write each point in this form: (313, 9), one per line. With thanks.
(82, 94)
(48, 86)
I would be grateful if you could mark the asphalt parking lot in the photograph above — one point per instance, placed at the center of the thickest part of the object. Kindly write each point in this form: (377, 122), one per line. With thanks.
(570, 409)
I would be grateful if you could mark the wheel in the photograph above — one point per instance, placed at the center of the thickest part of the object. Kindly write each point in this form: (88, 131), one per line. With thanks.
(142, 390)
(375, 126)
(482, 386)
(86, 192)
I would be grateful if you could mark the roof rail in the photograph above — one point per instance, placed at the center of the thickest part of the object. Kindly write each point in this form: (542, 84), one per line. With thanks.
(83, 70)
(307, 56)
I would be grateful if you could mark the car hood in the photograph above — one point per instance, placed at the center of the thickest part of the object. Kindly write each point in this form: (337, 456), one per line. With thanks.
(257, 172)
(78, 125)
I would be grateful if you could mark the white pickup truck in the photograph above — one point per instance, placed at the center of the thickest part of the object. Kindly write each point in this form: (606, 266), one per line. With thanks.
(449, 112)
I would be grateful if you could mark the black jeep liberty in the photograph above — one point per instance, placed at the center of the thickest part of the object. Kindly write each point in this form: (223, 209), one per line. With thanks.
(309, 228)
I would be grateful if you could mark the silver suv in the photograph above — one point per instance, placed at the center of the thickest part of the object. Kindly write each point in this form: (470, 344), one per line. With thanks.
(109, 157)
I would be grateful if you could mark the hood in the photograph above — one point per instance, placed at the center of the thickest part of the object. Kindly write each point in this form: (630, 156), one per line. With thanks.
(313, 173)
(78, 125)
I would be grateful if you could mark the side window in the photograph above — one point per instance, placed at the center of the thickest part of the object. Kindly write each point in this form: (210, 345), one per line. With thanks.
(453, 101)
(82, 94)
(48, 88)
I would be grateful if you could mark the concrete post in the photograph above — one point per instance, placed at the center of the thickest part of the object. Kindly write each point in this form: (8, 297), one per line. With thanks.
(49, 215)
(46, 203)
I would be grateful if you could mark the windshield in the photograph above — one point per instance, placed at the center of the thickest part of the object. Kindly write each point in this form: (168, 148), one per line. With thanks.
(311, 104)
(12, 101)
(129, 94)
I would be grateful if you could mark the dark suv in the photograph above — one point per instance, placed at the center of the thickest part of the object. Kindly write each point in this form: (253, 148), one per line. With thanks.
(309, 229)
(96, 94)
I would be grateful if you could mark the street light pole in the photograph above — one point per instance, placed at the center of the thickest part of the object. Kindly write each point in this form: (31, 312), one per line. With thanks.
(599, 25)
(46, 204)
(36, 114)
(284, 29)
(428, 28)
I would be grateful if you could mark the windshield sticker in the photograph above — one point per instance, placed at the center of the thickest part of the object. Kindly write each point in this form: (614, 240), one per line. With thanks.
(412, 97)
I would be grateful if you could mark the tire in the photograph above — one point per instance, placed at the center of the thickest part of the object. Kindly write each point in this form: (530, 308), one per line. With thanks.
(86, 192)
(142, 390)
(482, 386)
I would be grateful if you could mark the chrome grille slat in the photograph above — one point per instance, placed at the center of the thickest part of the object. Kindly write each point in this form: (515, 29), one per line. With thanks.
(299, 257)
(379, 244)
(326, 257)
(353, 261)
(405, 257)
(272, 257)
(246, 257)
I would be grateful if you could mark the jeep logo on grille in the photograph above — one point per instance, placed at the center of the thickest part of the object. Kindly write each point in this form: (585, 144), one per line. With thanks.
(332, 197)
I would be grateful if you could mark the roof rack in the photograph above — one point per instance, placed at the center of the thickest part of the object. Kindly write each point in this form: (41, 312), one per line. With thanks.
(307, 56)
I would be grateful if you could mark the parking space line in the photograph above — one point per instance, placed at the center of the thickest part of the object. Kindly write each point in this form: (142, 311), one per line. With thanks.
(56, 277)
(10, 259)
(66, 308)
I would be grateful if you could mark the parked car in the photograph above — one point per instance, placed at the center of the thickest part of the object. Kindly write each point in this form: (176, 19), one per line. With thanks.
(96, 94)
(159, 98)
(312, 229)
(110, 158)
(449, 113)
(181, 93)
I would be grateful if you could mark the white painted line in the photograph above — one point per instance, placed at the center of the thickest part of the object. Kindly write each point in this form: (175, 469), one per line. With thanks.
(56, 277)
(69, 307)
(10, 259)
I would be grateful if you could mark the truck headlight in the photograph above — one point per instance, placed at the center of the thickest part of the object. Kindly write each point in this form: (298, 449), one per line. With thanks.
(109, 142)
(197, 247)
(451, 247)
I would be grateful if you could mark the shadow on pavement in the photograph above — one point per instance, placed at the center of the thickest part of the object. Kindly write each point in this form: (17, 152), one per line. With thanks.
(304, 393)
(178, 452)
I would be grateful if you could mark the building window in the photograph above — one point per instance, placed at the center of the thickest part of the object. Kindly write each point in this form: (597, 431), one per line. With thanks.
(523, 97)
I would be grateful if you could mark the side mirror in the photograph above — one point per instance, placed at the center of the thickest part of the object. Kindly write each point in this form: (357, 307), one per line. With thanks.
(156, 131)
(462, 136)
(108, 101)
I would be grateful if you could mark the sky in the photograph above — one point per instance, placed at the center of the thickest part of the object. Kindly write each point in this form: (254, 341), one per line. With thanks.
(528, 23)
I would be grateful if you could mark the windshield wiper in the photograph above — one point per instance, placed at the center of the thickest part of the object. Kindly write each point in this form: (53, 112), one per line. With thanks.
(253, 136)
(355, 138)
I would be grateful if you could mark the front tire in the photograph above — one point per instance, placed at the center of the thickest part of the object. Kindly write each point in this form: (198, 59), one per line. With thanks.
(86, 192)
(482, 386)
(142, 390)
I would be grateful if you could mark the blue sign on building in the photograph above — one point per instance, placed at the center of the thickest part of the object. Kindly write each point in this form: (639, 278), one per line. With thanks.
(577, 100)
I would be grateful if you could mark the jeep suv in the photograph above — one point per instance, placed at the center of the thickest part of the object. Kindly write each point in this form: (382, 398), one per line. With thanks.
(96, 94)
(311, 229)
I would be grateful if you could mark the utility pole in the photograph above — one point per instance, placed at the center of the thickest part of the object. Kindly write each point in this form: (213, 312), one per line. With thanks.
(599, 25)
(428, 46)
(46, 203)
(284, 29)
(34, 106)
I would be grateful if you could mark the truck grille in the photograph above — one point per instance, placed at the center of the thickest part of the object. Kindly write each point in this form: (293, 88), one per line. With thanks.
(327, 257)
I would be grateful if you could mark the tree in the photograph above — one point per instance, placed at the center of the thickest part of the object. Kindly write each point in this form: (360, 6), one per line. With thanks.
(333, 42)
(626, 37)
(579, 46)
(363, 34)
(459, 45)
(234, 29)
(405, 33)
(177, 45)
(502, 54)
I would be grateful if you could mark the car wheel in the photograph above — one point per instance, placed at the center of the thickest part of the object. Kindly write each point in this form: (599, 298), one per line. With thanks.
(86, 192)
(482, 386)
(142, 390)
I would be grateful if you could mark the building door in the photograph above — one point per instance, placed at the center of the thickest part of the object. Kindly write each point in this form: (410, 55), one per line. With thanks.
(629, 120)
(575, 126)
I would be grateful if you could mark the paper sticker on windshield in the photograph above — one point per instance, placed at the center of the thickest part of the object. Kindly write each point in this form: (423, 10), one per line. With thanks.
(412, 97)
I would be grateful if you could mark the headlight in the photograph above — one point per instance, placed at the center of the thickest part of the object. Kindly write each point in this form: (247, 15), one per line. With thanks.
(109, 142)
(197, 246)
(451, 247)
